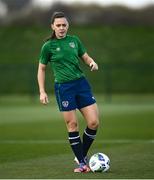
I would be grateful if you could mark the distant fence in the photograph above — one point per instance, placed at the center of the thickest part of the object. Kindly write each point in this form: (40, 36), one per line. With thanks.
(111, 78)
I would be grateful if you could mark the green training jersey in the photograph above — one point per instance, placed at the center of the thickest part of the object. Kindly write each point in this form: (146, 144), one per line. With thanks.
(63, 56)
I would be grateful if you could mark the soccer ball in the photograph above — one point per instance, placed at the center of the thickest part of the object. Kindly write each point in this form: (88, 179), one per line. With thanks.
(99, 162)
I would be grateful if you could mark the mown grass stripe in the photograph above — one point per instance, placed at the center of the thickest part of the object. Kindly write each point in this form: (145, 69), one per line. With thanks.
(116, 141)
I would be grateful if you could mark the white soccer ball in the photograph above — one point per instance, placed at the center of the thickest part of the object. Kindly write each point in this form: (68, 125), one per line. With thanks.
(99, 162)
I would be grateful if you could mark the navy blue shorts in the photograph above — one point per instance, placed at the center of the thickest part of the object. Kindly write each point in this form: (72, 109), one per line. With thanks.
(74, 94)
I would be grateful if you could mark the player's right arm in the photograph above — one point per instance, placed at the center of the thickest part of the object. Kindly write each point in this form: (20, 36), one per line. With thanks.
(41, 83)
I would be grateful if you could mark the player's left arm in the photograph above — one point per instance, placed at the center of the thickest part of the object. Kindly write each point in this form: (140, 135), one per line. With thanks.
(89, 61)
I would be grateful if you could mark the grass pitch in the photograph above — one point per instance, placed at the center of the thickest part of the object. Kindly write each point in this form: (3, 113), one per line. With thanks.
(33, 139)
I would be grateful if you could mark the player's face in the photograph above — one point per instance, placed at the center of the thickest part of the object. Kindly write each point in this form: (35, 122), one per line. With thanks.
(60, 26)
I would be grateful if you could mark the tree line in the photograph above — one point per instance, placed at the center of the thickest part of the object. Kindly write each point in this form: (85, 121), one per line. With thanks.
(23, 13)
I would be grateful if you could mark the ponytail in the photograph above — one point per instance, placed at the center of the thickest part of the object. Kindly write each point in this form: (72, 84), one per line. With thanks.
(52, 36)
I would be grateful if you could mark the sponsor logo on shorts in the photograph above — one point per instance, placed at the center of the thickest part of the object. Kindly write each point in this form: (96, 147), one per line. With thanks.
(93, 97)
(65, 103)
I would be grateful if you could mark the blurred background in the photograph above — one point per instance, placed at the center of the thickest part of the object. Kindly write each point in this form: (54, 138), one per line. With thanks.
(118, 34)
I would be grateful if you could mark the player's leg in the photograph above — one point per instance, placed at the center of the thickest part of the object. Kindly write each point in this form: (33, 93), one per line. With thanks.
(91, 116)
(66, 99)
(86, 103)
(74, 138)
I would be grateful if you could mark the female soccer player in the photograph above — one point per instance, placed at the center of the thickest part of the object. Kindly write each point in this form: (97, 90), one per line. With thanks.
(72, 90)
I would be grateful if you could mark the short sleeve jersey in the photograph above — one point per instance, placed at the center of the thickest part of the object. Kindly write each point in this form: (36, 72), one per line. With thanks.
(63, 56)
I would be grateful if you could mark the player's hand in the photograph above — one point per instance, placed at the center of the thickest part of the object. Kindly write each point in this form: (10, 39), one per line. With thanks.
(44, 98)
(93, 66)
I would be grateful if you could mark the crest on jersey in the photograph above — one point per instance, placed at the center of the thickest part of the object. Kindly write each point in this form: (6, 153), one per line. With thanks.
(65, 103)
(72, 44)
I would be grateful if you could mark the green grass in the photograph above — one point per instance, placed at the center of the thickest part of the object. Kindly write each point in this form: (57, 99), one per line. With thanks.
(32, 147)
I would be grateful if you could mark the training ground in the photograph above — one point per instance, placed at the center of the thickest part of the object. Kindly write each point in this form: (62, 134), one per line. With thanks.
(33, 139)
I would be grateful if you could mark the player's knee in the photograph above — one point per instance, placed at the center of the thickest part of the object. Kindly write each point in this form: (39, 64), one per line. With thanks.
(71, 125)
(93, 124)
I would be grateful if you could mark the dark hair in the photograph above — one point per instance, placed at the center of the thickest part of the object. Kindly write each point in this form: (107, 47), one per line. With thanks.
(53, 17)
(57, 15)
